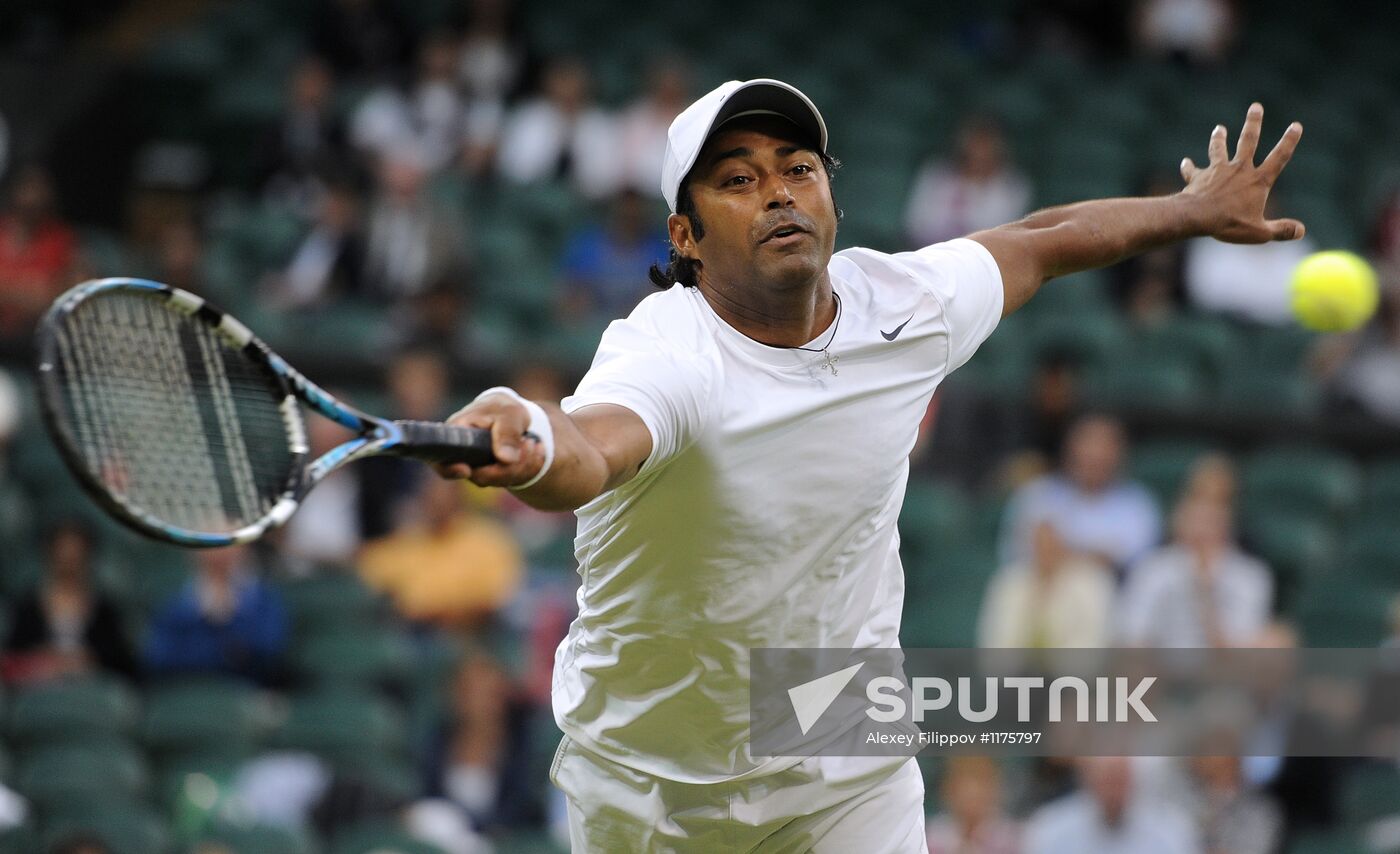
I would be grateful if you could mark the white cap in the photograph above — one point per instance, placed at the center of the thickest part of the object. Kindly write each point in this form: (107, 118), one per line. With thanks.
(730, 101)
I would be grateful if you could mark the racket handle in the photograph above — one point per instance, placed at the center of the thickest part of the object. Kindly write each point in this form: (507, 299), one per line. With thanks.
(435, 442)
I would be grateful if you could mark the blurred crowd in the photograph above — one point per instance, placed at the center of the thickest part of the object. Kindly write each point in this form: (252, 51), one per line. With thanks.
(1086, 556)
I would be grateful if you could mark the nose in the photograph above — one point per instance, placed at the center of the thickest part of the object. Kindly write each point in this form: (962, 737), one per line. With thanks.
(779, 195)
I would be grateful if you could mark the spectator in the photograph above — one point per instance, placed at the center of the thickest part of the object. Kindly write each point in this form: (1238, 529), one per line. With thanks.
(413, 240)
(364, 39)
(328, 265)
(1191, 32)
(479, 762)
(1362, 370)
(562, 135)
(604, 265)
(66, 626)
(1053, 400)
(418, 380)
(1096, 511)
(1108, 817)
(307, 140)
(1385, 241)
(1058, 599)
(1233, 819)
(427, 118)
(645, 123)
(1247, 282)
(82, 843)
(492, 67)
(179, 256)
(978, 189)
(15, 523)
(328, 526)
(973, 821)
(37, 249)
(1212, 478)
(1148, 288)
(450, 565)
(4, 146)
(224, 620)
(1200, 590)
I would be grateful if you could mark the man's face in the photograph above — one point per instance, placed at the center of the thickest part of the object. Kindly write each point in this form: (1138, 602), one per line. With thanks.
(765, 200)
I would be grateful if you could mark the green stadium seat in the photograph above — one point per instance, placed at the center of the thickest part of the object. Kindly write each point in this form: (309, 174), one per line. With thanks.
(1210, 342)
(23, 839)
(201, 714)
(943, 597)
(333, 597)
(126, 828)
(1370, 792)
(1352, 615)
(178, 779)
(1162, 465)
(260, 839)
(1309, 478)
(934, 517)
(1296, 546)
(379, 838)
(84, 708)
(69, 776)
(1267, 393)
(1134, 382)
(1091, 337)
(355, 655)
(1372, 551)
(1382, 489)
(1343, 841)
(342, 723)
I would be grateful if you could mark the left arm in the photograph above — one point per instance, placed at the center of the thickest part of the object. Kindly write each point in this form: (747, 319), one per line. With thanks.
(1224, 200)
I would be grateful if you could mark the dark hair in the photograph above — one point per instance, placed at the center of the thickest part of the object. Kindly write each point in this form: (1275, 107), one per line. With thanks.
(682, 270)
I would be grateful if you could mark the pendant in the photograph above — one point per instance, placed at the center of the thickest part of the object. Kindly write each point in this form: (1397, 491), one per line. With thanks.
(830, 362)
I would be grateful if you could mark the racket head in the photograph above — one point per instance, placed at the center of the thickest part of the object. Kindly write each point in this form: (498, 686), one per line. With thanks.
(170, 413)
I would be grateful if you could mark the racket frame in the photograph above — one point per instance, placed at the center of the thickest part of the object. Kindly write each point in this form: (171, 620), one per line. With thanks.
(374, 435)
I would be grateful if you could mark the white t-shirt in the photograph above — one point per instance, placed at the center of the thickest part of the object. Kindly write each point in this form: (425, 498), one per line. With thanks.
(765, 515)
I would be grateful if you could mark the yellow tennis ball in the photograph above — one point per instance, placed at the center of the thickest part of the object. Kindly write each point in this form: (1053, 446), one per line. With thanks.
(1334, 291)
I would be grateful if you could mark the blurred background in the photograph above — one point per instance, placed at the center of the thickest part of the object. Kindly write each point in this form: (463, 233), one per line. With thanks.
(415, 199)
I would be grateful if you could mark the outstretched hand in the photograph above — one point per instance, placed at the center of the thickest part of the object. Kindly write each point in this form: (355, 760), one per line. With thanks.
(1233, 191)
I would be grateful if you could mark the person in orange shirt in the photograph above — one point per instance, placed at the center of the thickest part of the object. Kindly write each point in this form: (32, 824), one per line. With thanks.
(37, 250)
(450, 565)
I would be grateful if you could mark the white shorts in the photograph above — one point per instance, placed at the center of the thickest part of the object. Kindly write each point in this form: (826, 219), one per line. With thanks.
(823, 805)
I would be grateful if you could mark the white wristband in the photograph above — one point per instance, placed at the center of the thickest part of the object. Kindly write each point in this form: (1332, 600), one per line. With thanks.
(539, 427)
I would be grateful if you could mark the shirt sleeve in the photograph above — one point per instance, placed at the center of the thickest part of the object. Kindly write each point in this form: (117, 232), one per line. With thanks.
(667, 387)
(965, 280)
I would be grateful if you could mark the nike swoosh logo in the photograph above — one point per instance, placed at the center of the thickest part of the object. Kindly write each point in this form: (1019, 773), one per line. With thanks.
(890, 336)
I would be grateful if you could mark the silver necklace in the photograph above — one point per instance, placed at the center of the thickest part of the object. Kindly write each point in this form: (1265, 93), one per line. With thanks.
(828, 361)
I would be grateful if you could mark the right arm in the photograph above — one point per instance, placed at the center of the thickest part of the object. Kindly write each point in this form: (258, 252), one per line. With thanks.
(596, 448)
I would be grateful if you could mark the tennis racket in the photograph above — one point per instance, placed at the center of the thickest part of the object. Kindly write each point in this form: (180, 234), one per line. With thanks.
(183, 425)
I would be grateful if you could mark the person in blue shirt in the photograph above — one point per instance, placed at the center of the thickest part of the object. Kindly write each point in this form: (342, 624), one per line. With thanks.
(225, 620)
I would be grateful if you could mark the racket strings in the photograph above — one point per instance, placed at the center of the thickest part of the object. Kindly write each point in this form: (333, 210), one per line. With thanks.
(173, 420)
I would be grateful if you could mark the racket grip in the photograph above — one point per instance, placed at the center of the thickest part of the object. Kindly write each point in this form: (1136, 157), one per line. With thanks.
(435, 442)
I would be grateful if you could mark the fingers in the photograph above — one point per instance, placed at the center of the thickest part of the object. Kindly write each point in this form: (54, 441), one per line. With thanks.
(453, 471)
(1249, 135)
(1218, 152)
(1188, 169)
(1285, 229)
(1282, 153)
(511, 474)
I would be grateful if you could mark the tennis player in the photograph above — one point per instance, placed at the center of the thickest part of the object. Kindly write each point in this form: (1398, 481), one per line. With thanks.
(737, 455)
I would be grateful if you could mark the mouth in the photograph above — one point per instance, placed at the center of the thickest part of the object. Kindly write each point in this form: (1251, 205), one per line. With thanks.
(785, 233)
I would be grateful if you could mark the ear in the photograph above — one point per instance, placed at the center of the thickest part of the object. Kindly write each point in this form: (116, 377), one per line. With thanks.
(682, 236)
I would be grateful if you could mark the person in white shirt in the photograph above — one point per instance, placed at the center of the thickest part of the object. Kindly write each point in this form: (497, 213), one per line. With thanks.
(562, 134)
(1099, 513)
(1056, 599)
(1200, 590)
(1109, 816)
(977, 189)
(737, 456)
